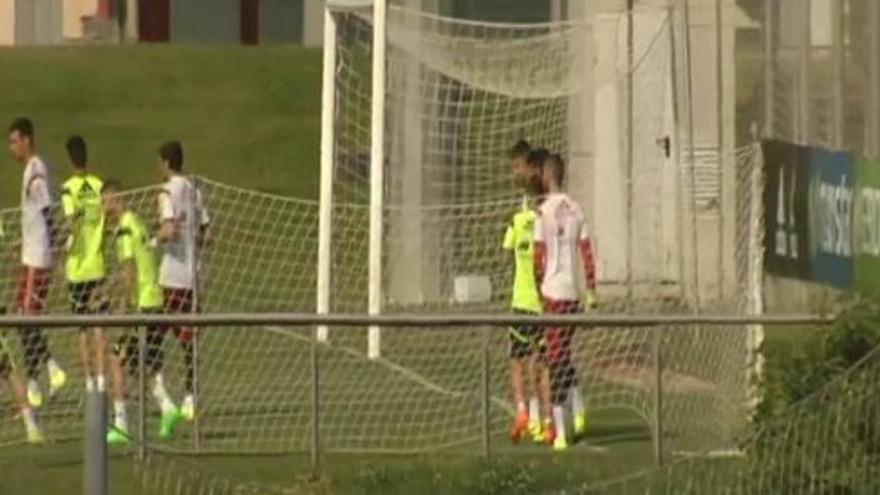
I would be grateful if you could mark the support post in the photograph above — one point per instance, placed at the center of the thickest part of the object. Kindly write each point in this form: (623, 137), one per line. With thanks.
(142, 393)
(873, 141)
(630, 146)
(484, 395)
(195, 226)
(719, 123)
(377, 174)
(692, 158)
(658, 396)
(769, 27)
(838, 56)
(804, 50)
(95, 465)
(316, 408)
(325, 206)
(676, 149)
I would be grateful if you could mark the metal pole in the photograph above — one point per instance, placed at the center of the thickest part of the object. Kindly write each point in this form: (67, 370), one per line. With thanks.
(630, 146)
(719, 123)
(325, 206)
(377, 175)
(95, 464)
(691, 152)
(658, 399)
(873, 79)
(195, 226)
(142, 393)
(484, 395)
(316, 408)
(804, 50)
(769, 66)
(676, 146)
(838, 56)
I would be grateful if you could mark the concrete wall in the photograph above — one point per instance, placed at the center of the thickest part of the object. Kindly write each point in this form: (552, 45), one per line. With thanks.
(74, 10)
(205, 21)
(7, 22)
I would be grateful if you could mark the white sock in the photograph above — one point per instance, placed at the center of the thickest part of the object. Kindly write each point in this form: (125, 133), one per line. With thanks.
(33, 386)
(90, 384)
(520, 407)
(577, 401)
(120, 419)
(534, 410)
(189, 400)
(161, 395)
(559, 421)
(101, 384)
(30, 419)
(53, 366)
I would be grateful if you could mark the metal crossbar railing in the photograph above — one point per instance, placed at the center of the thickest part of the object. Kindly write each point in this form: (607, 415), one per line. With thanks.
(407, 320)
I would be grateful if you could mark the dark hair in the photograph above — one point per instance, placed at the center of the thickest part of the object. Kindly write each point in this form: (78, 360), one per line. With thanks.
(537, 157)
(77, 151)
(23, 126)
(111, 185)
(557, 164)
(172, 152)
(521, 149)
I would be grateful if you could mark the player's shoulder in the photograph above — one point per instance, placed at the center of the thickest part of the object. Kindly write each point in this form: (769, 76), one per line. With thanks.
(36, 168)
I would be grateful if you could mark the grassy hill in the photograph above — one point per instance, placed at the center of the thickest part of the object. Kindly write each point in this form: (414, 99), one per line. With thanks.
(246, 116)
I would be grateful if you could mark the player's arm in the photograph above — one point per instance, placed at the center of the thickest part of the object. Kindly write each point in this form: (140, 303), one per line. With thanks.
(125, 279)
(509, 238)
(167, 218)
(540, 252)
(588, 264)
(38, 189)
(68, 208)
(204, 222)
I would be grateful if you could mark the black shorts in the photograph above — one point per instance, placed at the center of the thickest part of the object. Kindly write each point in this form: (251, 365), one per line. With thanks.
(126, 347)
(525, 339)
(80, 295)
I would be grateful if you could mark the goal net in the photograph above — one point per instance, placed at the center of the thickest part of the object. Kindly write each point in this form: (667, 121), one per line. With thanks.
(673, 234)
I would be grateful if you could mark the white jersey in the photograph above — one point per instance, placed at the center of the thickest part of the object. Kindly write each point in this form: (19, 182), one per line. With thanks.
(561, 227)
(36, 245)
(176, 204)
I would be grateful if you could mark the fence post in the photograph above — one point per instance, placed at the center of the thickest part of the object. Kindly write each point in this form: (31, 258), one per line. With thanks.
(658, 396)
(316, 410)
(142, 393)
(484, 399)
(95, 465)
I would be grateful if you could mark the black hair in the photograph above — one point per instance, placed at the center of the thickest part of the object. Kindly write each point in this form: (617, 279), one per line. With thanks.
(172, 152)
(24, 127)
(537, 157)
(111, 185)
(77, 151)
(520, 149)
(557, 163)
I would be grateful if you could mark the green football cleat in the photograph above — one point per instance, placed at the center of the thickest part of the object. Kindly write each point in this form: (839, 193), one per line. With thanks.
(580, 424)
(35, 437)
(536, 432)
(169, 422)
(117, 437)
(57, 379)
(35, 397)
(560, 444)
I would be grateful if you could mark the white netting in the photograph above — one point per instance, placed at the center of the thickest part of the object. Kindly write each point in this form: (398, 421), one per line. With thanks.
(458, 95)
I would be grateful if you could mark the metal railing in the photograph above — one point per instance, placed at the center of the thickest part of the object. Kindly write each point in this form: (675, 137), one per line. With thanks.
(95, 466)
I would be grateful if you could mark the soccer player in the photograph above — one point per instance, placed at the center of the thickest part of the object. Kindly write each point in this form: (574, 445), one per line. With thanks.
(36, 258)
(184, 224)
(561, 241)
(138, 277)
(525, 341)
(84, 229)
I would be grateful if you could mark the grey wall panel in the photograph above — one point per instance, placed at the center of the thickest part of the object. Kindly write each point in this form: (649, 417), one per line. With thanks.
(205, 21)
(48, 21)
(25, 22)
(281, 21)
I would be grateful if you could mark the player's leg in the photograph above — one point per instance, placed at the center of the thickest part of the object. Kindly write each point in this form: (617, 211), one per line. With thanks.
(171, 414)
(33, 288)
(124, 351)
(186, 338)
(13, 383)
(519, 353)
(572, 383)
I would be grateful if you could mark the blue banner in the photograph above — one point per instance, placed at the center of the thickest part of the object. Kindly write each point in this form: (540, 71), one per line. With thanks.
(832, 192)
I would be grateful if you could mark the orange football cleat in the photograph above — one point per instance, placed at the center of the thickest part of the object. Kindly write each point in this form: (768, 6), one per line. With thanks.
(520, 425)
